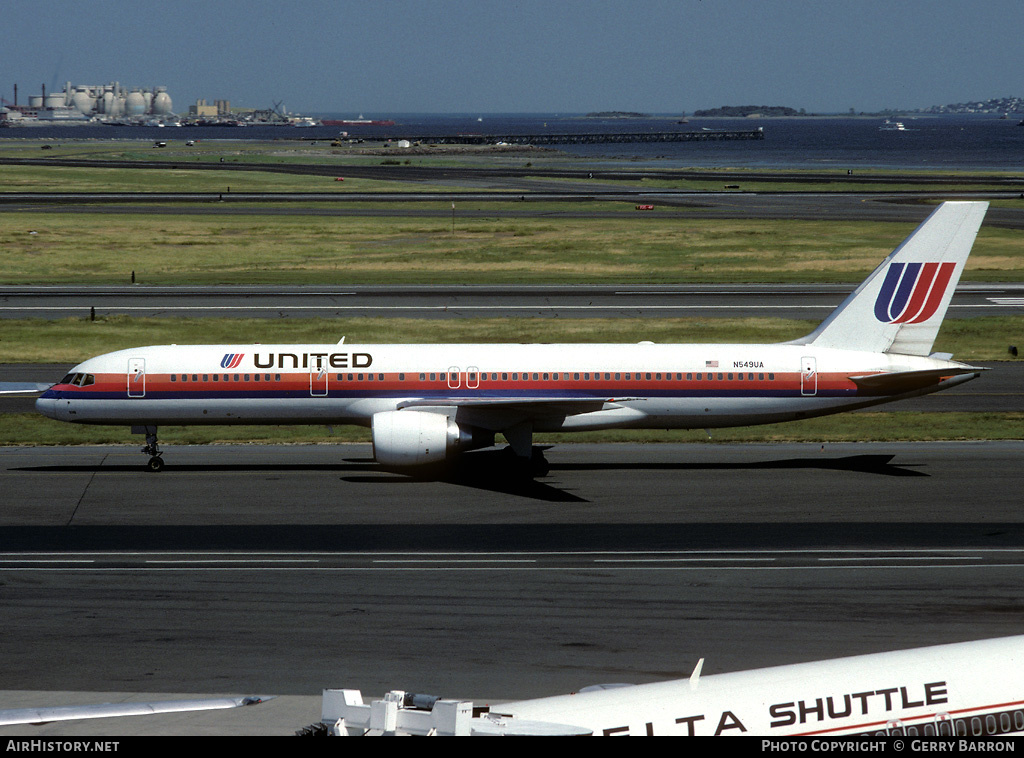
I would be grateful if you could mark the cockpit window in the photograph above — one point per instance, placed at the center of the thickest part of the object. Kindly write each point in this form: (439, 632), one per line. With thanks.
(79, 380)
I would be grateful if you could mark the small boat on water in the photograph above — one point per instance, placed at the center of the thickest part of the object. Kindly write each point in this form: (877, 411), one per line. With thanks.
(892, 126)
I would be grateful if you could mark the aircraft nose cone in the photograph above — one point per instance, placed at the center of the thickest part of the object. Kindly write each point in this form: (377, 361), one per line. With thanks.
(47, 406)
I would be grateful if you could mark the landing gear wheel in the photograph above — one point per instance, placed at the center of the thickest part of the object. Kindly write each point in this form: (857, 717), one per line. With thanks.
(152, 449)
(528, 468)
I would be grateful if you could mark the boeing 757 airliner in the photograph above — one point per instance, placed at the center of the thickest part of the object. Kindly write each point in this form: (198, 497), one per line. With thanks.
(426, 404)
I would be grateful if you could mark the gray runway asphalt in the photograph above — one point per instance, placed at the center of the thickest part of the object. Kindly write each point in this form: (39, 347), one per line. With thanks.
(283, 570)
(468, 301)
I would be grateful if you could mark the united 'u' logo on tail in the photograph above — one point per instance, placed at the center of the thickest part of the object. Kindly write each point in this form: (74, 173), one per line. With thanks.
(231, 360)
(912, 292)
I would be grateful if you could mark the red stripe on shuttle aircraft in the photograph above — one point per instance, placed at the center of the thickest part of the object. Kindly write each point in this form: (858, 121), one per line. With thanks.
(909, 719)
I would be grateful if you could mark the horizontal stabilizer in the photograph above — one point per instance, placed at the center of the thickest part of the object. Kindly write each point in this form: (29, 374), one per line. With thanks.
(898, 382)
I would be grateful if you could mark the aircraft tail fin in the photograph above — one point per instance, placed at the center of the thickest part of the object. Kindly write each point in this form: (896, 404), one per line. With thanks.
(900, 306)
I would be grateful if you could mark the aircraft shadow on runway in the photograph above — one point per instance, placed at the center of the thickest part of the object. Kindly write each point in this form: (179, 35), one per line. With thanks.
(879, 464)
(490, 470)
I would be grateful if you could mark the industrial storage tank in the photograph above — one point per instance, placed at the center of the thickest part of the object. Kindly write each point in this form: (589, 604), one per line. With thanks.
(83, 101)
(108, 100)
(162, 102)
(135, 105)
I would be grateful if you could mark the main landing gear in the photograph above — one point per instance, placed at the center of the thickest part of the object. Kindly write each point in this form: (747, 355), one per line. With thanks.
(152, 449)
(528, 461)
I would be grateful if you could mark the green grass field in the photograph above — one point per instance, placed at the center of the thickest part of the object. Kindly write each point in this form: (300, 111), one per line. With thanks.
(51, 246)
(165, 249)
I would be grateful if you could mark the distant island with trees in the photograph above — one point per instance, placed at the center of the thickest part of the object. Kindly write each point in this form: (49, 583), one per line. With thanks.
(746, 111)
(1001, 106)
(617, 114)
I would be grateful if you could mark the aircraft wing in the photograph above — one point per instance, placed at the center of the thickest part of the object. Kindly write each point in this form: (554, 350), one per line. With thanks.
(23, 388)
(113, 710)
(504, 413)
(549, 406)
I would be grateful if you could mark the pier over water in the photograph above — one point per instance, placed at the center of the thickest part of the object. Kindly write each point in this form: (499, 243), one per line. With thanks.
(705, 135)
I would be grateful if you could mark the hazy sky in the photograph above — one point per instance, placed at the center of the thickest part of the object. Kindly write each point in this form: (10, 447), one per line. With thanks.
(489, 56)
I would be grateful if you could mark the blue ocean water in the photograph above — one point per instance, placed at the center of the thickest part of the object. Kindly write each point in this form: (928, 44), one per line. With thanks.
(981, 142)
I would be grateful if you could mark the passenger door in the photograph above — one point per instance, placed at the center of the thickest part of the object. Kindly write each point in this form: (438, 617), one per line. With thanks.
(136, 377)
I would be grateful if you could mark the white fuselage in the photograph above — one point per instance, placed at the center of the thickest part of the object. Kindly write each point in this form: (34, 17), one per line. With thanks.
(633, 385)
(957, 690)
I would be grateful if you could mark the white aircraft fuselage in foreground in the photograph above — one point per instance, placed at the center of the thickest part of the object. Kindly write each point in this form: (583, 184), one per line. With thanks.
(966, 689)
(427, 403)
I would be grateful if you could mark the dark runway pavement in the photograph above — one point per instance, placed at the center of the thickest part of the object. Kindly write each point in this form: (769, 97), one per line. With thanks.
(286, 569)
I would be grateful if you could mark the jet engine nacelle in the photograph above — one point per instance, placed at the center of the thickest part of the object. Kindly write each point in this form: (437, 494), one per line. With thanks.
(414, 438)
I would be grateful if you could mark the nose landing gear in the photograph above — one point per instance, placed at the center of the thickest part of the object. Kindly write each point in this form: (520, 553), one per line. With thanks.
(152, 448)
